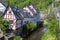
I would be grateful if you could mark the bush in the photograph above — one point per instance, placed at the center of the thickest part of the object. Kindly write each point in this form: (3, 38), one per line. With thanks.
(3, 24)
(52, 32)
(41, 4)
(17, 38)
(30, 26)
(49, 36)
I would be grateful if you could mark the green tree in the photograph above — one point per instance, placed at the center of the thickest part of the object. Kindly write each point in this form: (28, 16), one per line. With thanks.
(29, 26)
(17, 38)
(51, 33)
(41, 4)
(3, 24)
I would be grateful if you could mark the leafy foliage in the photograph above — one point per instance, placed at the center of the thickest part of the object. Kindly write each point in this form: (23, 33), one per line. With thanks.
(57, 4)
(41, 4)
(30, 26)
(3, 24)
(51, 16)
(17, 38)
(52, 27)
(49, 36)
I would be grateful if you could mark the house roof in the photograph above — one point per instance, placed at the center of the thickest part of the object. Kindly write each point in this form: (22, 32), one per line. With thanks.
(33, 7)
(18, 12)
(25, 13)
(4, 3)
(17, 15)
(22, 12)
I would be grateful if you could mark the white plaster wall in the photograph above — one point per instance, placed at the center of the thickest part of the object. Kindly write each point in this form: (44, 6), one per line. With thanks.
(26, 8)
(10, 16)
(31, 6)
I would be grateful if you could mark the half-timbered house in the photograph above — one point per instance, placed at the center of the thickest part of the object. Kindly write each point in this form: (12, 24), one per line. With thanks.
(17, 17)
(26, 16)
(33, 11)
(31, 8)
(14, 18)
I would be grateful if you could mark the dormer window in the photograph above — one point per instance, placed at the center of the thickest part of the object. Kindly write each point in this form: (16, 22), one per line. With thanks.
(9, 11)
(11, 24)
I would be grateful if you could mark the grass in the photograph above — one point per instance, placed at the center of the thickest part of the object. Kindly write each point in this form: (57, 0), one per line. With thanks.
(17, 38)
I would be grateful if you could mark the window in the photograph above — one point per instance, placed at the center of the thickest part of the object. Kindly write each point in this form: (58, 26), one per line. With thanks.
(9, 11)
(11, 24)
(11, 21)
